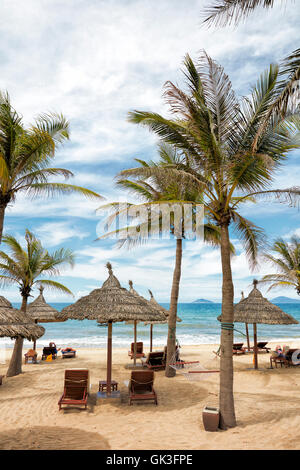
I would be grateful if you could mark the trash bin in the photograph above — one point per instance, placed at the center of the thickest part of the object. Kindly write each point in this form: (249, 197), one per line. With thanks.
(211, 418)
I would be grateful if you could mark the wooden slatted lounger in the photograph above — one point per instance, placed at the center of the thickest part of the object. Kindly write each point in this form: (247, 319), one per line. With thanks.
(237, 348)
(141, 386)
(139, 350)
(76, 388)
(155, 360)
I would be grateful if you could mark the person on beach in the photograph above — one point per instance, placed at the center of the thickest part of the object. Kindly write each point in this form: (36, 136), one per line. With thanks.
(53, 345)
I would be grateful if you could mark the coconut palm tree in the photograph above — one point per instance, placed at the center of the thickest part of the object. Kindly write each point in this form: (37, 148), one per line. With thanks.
(26, 153)
(223, 12)
(26, 267)
(155, 191)
(287, 262)
(215, 132)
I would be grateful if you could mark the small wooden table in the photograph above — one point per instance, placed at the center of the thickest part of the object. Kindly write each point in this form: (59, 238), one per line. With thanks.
(103, 386)
(278, 360)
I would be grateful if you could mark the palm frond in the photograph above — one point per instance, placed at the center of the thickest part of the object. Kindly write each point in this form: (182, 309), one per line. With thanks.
(54, 189)
(227, 12)
(39, 176)
(55, 286)
(54, 124)
(6, 280)
(290, 196)
(252, 237)
(286, 96)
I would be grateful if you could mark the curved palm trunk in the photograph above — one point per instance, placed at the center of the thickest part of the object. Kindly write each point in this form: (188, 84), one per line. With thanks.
(2, 214)
(15, 365)
(171, 344)
(226, 363)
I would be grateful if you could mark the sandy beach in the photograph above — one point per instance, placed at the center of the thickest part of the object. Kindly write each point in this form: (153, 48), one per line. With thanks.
(267, 406)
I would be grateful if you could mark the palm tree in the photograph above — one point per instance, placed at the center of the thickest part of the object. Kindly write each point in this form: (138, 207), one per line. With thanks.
(26, 153)
(287, 263)
(160, 189)
(26, 267)
(223, 12)
(215, 132)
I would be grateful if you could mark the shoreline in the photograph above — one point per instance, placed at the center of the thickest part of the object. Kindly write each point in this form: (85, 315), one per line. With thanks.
(271, 343)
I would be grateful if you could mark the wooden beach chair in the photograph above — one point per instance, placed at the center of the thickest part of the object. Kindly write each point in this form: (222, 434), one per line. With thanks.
(237, 348)
(47, 351)
(76, 388)
(277, 360)
(141, 386)
(139, 350)
(68, 353)
(261, 347)
(155, 360)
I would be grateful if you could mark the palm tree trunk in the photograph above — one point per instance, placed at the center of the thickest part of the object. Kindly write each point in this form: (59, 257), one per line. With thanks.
(171, 344)
(2, 213)
(226, 363)
(15, 364)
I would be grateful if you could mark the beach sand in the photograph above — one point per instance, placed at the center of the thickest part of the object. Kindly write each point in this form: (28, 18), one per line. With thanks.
(267, 407)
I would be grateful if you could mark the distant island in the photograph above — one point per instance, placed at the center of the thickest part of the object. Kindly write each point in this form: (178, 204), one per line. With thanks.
(202, 301)
(285, 300)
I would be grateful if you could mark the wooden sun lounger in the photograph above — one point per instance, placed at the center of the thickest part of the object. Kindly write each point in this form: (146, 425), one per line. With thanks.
(261, 347)
(67, 353)
(237, 348)
(139, 350)
(155, 360)
(47, 351)
(76, 388)
(141, 386)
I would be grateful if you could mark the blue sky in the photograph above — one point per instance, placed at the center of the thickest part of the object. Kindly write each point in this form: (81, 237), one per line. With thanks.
(94, 60)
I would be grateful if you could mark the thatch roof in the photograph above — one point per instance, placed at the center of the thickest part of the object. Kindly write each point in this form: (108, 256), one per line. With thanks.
(111, 303)
(256, 309)
(42, 312)
(15, 323)
(162, 309)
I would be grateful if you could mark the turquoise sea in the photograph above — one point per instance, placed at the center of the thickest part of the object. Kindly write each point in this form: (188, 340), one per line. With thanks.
(199, 325)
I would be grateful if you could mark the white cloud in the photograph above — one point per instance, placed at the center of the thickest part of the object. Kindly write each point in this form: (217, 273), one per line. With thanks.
(55, 233)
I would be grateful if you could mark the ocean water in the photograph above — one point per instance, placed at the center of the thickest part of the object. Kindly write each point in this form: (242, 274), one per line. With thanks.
(199, 326)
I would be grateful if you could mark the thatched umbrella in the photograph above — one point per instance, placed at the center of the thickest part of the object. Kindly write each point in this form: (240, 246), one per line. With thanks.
(256, 309)
(41, 312)
(164, 311)
(15, 323)
(111, 303)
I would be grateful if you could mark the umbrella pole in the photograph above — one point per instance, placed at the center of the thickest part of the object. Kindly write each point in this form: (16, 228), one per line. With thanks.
(134, 355)
(151, 337)
(109, 358)
(248, 340)
(34, 341)
(255, 345)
